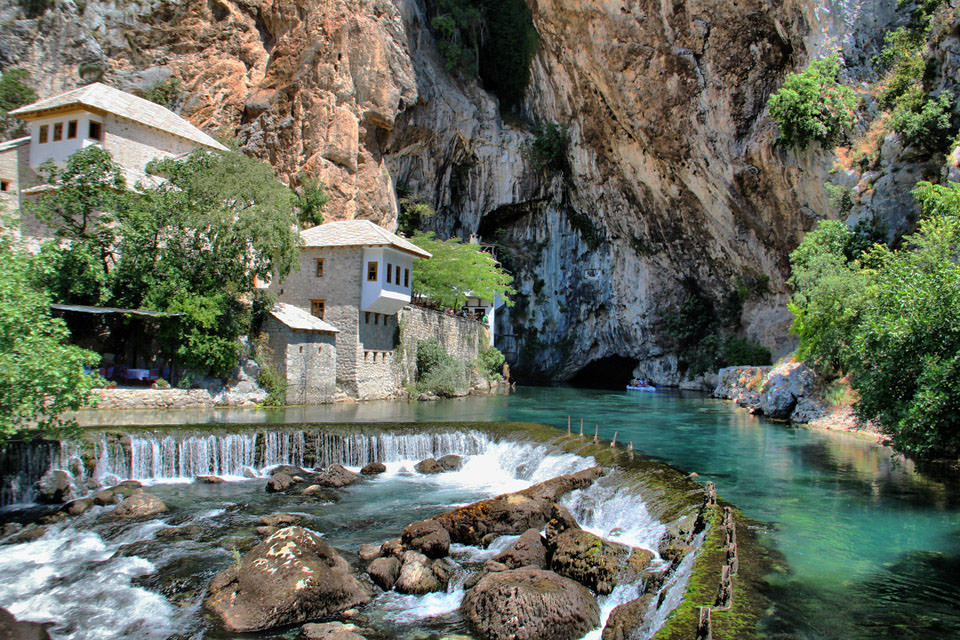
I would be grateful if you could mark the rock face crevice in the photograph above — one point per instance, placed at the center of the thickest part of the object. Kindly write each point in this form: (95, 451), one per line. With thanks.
(673, 176)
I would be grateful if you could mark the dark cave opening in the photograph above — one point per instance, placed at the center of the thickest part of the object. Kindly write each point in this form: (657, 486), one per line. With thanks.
(611, 372)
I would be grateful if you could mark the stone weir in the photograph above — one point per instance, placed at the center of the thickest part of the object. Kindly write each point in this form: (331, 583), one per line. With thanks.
(697, 572)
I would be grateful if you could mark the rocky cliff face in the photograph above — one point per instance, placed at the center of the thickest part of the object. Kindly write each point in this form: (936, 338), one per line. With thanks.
(674, 185)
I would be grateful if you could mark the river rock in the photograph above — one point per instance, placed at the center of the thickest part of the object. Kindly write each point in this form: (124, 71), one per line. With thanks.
(530, 604)
(428, 537)
(555, 488)
(12, 629)
(130, 485)
(291, 577)
(384, 572)
(626, 618)
(510, 514)
(785, 386)
(336, 476)
(369, 552)
(419, 575)
(527, 551)
(560, 520)
(373, 469)
(55, 487)
(450, 462)
(597, 563)
(429, 466)
(807, 410)
(279, 482)
(289, 470)
(183, 531)
(26, 534)
(330, 631)
(140, 505)
(209, 479)
(278, 519)
(393, 547)
(78, 506)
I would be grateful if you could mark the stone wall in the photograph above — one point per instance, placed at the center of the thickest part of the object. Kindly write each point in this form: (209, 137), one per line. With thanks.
(133, 145)
(307, 360)
(460, 337)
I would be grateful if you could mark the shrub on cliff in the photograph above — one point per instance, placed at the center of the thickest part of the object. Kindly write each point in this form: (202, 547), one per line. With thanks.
(41, 375)
(547, 151)
(812, 105)
(924, 122)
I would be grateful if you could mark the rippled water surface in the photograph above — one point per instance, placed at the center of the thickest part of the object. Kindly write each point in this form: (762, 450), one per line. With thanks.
(872, 546)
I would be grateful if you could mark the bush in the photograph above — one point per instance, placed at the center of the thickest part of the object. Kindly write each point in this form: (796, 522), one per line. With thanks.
(274, 384)
(166, 93)
(925, 124)
(812, 105)
(14, 91)
(449, 378)
(840, 197)
(737, 351)
(547, 151)
(310, 201)
(491, 362)
(430, 355)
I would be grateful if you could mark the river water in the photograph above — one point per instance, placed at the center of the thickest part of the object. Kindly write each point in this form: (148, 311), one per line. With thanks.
(871, 546)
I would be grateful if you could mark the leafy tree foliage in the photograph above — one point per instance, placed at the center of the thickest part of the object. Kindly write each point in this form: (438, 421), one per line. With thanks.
(194, 244)
(41, 375)
(14, 91)
(491, 362)
(927, 124)
(412, 211)
(887, 318)
(455, 270)
(812, 105)
(166, 93)
(311, 199)
(494, 39)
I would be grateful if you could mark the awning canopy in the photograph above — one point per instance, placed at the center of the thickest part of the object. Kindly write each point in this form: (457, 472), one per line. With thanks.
(81, 308)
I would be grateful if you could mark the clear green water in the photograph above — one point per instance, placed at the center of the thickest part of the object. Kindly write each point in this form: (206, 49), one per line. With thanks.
(872, 547)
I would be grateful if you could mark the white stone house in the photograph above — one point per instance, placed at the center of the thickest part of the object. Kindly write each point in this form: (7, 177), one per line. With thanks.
(133, 130)
(356, 276)
(302, 349)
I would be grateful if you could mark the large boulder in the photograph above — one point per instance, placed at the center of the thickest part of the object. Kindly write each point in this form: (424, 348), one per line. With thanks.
(12, 629)
(373, 469)
(55, 487)
(560, 520)
(597, 563)
(430, 465)
(384, 572)
(529, 604)
(291, 577)
(527, 551)
(626, 618)
(336, 476)
(279, 482)
(784, 387)
(808, 410)
(289, 470)
(140, 505)
(510, 514)
(428, 537)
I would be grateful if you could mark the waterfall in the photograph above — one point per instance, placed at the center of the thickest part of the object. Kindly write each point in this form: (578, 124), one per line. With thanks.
(21, 465)
(356, 450)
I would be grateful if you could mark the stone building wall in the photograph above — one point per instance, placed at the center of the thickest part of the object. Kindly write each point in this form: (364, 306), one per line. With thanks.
(133, 145)
(460, 337)
(339, 288)
(306, 359)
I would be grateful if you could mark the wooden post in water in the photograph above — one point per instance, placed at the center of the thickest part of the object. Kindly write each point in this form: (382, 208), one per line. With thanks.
(596, 433)
(568, 425)
(614, 443)
(630, 449)
(711, 494)
(581, 427)
(704, 630)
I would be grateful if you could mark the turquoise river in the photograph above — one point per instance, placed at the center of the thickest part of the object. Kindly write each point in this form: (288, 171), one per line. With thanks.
(871, 545)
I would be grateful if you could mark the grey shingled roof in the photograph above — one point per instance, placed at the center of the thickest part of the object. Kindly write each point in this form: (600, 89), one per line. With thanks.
(352, 233)
(297, 318)
(125, 105)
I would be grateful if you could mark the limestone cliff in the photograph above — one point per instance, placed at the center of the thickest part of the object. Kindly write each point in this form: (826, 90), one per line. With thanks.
(674, 185)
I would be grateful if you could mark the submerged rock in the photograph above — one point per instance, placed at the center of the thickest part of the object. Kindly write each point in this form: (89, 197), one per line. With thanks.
(291, 577)
(527, 551)
(419, 575)
(336, 476)
(277, 519)
(597, 563)
(140, 505)
(530, 604)
(209, 479)
(12, 629)
(429, 466)
(384, 572)
(373, 468)
(330, 631)
(427, 537)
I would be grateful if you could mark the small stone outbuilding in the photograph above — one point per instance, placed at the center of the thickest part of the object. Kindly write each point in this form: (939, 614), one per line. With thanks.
(303, 351)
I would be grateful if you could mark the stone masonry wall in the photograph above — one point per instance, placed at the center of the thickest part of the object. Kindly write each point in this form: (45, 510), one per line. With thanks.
(460, 337)
(306, 359)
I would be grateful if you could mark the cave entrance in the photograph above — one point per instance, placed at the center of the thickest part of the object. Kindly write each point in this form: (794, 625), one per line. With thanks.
(611, 372)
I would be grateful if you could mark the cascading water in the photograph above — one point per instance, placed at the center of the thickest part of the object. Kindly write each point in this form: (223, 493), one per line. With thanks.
(21, 465)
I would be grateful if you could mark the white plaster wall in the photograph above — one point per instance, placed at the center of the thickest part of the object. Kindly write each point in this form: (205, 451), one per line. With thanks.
(374, 291)
(62, 149)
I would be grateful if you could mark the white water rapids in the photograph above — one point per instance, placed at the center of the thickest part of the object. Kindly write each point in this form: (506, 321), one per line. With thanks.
(76, 579)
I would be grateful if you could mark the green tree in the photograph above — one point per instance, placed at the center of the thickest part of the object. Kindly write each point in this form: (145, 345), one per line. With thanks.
(41, 375)
(828, 295)
(310, 201)
(812, 105)
(455, 270)
(14, 91)
(412, 212)
(927, 124)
